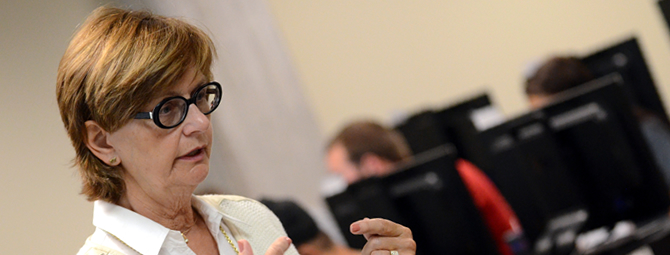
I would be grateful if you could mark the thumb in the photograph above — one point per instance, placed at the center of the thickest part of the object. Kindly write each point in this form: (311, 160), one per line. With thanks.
(245, 247)
(279, 246)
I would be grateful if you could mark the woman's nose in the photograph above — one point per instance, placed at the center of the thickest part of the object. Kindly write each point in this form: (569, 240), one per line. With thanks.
(195, 121)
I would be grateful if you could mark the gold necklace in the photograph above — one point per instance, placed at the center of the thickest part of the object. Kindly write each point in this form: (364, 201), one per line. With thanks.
(183, 233)
(220, 227)
(229, 241)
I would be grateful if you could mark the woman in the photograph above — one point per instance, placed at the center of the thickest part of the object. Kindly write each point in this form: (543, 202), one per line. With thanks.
(135, 92)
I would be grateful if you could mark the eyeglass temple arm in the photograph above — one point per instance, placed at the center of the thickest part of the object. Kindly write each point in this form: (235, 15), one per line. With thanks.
(144, 115)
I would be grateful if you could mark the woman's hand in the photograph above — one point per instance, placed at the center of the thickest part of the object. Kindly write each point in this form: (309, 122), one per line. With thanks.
(384, 236)
(278, 247)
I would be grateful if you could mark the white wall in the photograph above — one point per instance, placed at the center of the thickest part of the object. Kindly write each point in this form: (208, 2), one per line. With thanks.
(41, 209)
(374, 58)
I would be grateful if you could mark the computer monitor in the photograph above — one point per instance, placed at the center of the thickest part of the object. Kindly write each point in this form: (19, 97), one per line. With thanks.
(457, 124)
(428, 196)
(524, 161)
(429, 193)
(584, 151)
(423, 132)
(664, 6)
(366, 198)
(464, 120)
(626, 58)
(602, 142)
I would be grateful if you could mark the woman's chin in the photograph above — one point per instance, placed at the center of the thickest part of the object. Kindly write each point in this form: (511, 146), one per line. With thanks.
(191, 176)
(198, 173)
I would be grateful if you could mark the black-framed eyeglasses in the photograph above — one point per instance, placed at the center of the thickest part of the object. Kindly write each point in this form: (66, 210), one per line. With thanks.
(171, 112)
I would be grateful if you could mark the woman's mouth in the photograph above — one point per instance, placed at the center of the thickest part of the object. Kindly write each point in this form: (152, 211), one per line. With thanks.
(194, 154)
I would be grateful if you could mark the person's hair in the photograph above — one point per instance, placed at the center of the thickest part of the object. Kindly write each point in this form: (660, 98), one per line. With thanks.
(361, 137)
(558, 74)
(322, 241)
(116, 62)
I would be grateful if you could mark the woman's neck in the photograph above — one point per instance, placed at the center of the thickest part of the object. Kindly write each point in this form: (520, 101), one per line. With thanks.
(173, 211)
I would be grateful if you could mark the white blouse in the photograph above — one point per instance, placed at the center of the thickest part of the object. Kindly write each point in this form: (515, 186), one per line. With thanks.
(126, 231)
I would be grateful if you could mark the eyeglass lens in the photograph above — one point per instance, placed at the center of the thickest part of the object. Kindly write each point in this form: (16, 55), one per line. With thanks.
(173, 111)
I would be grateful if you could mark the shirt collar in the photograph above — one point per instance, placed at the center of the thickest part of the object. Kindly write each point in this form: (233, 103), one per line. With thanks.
(139, 232)
(211, 215)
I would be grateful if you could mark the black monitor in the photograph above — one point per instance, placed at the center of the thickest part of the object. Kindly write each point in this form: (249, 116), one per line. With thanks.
(366, 198)
(464, 120)
(626, 58)
(585, 150)
(524, 161)
(428, 196)
(423, 132)
(457, 124)
(608, 154)
(664, 5)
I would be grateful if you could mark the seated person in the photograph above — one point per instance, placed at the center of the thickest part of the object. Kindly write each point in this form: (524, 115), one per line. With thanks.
(302, 229)
(364, 149)
(562, 73)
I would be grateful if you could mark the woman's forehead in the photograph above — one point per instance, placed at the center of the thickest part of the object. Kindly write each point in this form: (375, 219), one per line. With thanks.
(182, 88)
(186, 83)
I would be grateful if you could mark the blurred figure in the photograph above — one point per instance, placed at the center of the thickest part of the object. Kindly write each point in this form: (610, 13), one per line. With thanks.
(365, 148)
(561, 73)
(304, 232)
(555, 75)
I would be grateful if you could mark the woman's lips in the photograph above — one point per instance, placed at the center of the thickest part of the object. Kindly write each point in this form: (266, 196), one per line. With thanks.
(196, 154)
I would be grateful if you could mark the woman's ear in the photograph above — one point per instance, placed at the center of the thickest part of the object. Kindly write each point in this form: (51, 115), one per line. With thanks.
(96, 141)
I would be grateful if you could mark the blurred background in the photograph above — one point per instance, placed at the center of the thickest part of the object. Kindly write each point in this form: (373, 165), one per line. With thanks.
(294, 72)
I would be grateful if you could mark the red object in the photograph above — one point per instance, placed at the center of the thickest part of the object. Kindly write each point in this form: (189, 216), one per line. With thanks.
(493, 207)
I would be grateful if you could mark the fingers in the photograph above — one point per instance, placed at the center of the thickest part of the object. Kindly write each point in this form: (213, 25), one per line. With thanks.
(384, 253)
(384, 245)
(279, 246)
(245, 247)
(379, 227)
(384, 236)
(380, 253)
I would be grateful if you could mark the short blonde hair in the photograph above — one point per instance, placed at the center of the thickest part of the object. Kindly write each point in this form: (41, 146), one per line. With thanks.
(116, 62)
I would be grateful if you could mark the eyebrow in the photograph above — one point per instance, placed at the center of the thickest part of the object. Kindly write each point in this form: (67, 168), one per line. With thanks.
(172, 92)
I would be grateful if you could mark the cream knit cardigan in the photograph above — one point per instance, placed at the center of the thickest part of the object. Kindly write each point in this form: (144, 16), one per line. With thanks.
(246, 218)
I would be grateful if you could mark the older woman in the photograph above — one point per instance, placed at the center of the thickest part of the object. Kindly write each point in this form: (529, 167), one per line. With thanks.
(135, 92)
